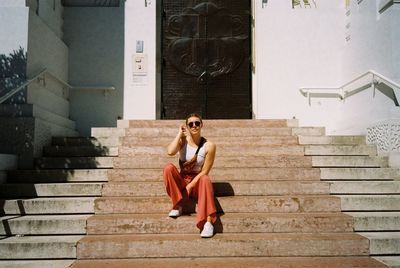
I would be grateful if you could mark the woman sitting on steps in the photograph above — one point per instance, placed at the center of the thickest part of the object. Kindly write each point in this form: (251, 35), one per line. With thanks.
(196, 157)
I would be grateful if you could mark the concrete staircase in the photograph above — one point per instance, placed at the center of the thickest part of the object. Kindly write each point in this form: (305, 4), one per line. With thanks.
(273, 195)
(274, 209)
(369, 192)
(45, 210)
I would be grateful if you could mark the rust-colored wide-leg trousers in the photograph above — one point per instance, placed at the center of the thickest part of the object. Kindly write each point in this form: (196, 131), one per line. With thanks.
(175, 184)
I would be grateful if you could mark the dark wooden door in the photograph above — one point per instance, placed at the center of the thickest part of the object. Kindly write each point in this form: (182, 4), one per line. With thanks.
(206, 59)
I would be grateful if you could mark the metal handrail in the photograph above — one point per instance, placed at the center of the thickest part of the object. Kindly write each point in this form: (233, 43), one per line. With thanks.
(339, 92)
(45, 71)
(28, 82)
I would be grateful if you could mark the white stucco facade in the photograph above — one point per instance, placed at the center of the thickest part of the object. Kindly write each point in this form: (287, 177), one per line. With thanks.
(325, 45)
(293, 48)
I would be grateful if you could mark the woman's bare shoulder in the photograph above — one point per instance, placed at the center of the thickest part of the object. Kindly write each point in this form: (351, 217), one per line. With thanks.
(210, 146)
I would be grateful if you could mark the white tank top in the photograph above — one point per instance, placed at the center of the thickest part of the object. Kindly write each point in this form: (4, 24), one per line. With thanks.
(187, 152)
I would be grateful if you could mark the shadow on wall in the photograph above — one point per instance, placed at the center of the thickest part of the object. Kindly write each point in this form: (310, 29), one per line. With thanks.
(13, 74)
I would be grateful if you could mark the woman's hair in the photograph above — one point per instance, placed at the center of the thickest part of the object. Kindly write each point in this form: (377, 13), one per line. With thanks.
(194, 115)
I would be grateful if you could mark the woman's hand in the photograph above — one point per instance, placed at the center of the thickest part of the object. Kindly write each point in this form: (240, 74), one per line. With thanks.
(182, 131)
(189, 188)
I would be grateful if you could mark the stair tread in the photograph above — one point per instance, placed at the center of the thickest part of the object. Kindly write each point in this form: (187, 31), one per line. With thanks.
(235, 262)
(36, 263)
(41, 239)
(381, 235)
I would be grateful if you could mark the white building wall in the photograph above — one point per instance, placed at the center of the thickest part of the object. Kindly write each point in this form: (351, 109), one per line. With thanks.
(95, 37)
(140, 88)
(372, 45)
(295, 48)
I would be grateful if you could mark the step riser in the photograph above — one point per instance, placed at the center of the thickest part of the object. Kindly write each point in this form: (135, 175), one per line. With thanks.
(43, 227)
(45, 190)
(74, 162)
(80, 151)
(370, 203)
(221, 132)
(376, 224)
(340, 150)
(49, 206)
(223, 161)
(222, 188)
(222, 151)
(222, 174)
(385, 246)
(38, 251)
(250, 223)
(99, 132)
(348, 161)
(220, 141)
(273, 204)
(332, 140)
(359, 174)
(125, 248)
(362, 187)
(54, 176)
(82, 141)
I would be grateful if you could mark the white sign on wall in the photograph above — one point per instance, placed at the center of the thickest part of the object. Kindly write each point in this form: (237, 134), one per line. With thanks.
(139, 67)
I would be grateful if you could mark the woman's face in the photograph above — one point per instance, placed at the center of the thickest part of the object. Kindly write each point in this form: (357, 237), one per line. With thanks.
(194, 125)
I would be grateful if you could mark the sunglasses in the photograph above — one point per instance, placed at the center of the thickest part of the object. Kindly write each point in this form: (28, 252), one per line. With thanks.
(195, 123)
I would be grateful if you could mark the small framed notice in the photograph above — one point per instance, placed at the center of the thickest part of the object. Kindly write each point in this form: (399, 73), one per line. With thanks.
(139, 69)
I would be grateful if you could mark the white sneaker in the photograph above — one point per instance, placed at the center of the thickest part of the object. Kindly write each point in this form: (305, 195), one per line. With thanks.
(208, 230)
(175, 212)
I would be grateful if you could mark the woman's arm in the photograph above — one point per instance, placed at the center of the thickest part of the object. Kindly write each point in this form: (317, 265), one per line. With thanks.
(176, 144)
(211, 150)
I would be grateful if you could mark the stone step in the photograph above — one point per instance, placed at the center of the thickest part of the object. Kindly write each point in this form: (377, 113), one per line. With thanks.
(283, 161)
(31, 110)
(226, 245)
(365, 187)
(112, 141)
(74, 162)
(219, 141)
(304, 139)
(228, 223)
(68, 151)
(210, 123)
(383, 243)
(221, 132)
(223, 150)
(376, 221)
(50, 190)
(222, 174)
(349, 161)
(43, 225)
(360, 174)
(39, 247)
(225, 188)
(55, 205)
(106, 132)
(57, 175)
(36, 263)
(389, 261)
(234, 262)
(370, 202)
(340, 150)
(236, 204)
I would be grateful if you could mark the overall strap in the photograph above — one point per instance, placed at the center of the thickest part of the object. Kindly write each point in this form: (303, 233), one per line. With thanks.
(202, 141)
